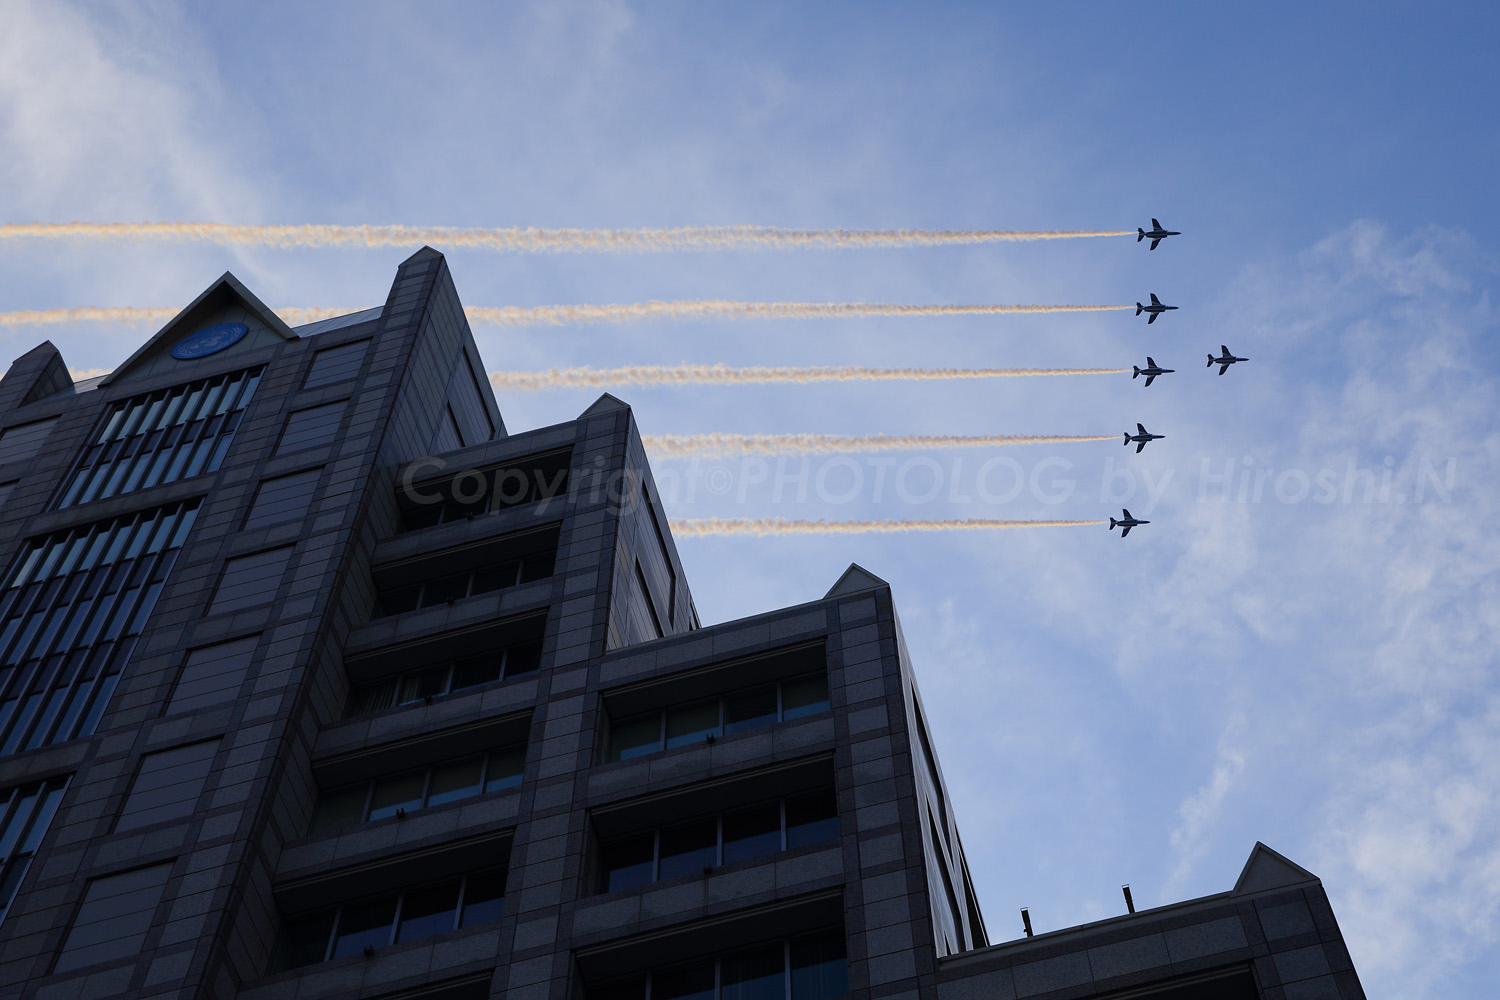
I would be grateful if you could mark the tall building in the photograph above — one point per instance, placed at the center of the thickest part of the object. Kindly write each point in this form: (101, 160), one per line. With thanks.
(316, 682)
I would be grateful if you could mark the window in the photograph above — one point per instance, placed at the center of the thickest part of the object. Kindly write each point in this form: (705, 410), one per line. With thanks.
(474, 492)
(732, 836)
(403, 793)
(25, 814)
(212, 675)
(515, 660)
(162, 437)
(114, 917)
(332, 365)
(285, 498)
(167, 786)
(467, 583)
(394, 918)
(805, 968)
(70, 612)
(313, 427)
(24, 440)
(250, 580)
(726, 715)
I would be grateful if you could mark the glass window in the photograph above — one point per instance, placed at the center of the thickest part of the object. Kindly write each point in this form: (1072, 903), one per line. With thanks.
(447, 588)
(803, 696)
(505, 769)
(635, 737)
(689, 848)
(340, 809)
(811, 819)
(629, 862)
(523, 658)
(305, 941)
(404, 792)
(691, 723)
(402, 599)
(451, 782)
(484, 898)
(688, 982)
(759, 974)
(495, 577)
(752, 833)
(750, 709)
(819, 969)
(537, 567)
(428, 911)
(477, 670)
(624, 989)
(362, 924)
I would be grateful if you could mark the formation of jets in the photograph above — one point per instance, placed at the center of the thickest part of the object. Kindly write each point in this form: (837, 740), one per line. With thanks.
(1151, 369)
(1156, 235)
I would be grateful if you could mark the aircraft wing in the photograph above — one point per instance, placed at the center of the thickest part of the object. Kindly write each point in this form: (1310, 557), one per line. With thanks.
(1150, 379)
(1152, 319)
(1127, 530)
(1156, 225)
(1225, 350)
(1154, 242)
(1141, 428)
(1154, 300)
(1139, 445)
(1223, 369)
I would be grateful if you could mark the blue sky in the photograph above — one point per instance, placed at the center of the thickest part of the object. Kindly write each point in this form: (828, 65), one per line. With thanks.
(1316, 674)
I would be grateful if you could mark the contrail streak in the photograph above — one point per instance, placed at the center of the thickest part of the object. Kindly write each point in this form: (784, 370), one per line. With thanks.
(740, 445)
(530, 240)
(725, 375)
(725, 309)
(564, 315)
(778, 526)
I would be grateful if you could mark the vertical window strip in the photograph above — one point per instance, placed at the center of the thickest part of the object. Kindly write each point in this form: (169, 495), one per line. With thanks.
(25, 814)
(162, 437)
(69, 617)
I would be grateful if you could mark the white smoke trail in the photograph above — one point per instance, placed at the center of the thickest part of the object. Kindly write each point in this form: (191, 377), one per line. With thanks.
(562, 315)
(725, 309)
(778, 526)
(725, 375)
(741, 445)
(530, 240)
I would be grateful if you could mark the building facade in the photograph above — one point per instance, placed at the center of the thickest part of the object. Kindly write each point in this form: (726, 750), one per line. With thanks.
(316, 682)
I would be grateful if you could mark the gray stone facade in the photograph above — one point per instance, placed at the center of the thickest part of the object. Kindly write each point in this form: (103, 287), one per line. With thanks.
(395, 667)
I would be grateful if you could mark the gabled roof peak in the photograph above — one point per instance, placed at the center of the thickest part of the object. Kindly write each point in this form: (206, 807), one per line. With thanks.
(856, 579)
(1267, 869)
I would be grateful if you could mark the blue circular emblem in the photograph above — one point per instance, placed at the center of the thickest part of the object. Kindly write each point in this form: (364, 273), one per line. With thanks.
(209, 340)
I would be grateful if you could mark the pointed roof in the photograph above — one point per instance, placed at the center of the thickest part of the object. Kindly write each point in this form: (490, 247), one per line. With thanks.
(421, 254)
(856, 579)
(603, 404)
(223, 292)
(1267, 869)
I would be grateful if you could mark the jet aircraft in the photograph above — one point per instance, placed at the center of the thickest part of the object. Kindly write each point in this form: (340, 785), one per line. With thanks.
(1141, 438)
(1127, 522)
(1156, 235)
(1155, 309)
(1224, 362)
(1151, 370)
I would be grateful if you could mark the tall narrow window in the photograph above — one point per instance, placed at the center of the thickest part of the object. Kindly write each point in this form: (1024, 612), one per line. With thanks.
(70, 612)
(161, 437)
(25, 813)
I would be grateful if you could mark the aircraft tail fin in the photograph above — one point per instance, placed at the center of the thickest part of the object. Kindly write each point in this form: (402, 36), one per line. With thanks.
(1113, 524)
(1210, 362)
(1137, 372)
(1138, 308)
(1127, 439)
(1140, 234)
